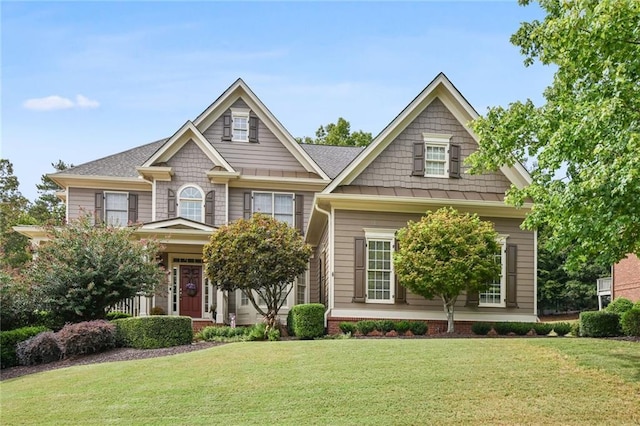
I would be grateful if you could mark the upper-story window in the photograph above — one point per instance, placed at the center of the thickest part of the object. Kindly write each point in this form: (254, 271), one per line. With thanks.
(191, 203)
(276, 204)
(239, 125)
(116, 208)
(436, 157)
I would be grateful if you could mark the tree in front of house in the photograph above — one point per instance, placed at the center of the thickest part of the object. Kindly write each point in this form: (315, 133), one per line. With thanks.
(445, 254)
(48, 208)
(13, 211)
(261, 256)
(83, 270)
(585, 137)
(339, 134)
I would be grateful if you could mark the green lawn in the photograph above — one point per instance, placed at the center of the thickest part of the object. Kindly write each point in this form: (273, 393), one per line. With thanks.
(356, 381)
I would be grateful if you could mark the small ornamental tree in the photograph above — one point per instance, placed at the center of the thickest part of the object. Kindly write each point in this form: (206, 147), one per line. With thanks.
(84, 269)
(260, 256)
(446, 253)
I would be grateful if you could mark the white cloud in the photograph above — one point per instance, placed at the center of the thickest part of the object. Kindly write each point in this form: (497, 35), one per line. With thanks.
(55, 102)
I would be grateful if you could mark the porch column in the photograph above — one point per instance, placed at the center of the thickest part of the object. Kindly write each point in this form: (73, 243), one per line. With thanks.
(144, 305)
(220, 307)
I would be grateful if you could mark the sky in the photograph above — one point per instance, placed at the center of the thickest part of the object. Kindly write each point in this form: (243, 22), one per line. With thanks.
(84, 80)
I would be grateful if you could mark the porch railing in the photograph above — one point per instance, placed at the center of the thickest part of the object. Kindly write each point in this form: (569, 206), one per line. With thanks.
(604, 285)
(136, 306)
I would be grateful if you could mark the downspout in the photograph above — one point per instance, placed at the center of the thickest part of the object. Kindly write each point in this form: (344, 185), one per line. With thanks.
(535, 274)
(329, 266)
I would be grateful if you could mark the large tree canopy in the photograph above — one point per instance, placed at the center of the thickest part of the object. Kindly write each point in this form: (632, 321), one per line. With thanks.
(260, 256)
(585, 138)
(338, 134)
(13, 207)
(48, 208)
(446, 253)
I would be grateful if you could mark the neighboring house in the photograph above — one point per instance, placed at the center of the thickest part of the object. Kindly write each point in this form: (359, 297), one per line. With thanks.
(625, 278)
(236, 158)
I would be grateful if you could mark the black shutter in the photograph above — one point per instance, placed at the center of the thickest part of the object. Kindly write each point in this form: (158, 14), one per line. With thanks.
(133, 208)
(360, 266)
(209, 208)
(300, 213)
(473, 299)
(454, 161)
(171, 203)
(512, 275)
(98, 211)
(226, 127)
(418, 159)
(253, 129)
(401, 291)
(247, 205)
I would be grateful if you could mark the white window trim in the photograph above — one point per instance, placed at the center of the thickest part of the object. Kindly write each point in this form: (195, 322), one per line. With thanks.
(179, 198)
(104, 208)
(306, 288)
(236, 113)
(378, 234)
(273, 194)
(437, 140)
(502, 240)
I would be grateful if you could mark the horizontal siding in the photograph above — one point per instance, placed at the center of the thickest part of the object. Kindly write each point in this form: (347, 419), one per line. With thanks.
(351, 224)
(269, 153)
(82, 201)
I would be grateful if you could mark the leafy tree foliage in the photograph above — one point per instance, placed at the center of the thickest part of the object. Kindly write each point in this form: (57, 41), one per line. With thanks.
(13, 207)
(338, 133)
(84, 269)
(446, 253)
(48, 208)
(18, 302)
(260, 256)
(588, 126)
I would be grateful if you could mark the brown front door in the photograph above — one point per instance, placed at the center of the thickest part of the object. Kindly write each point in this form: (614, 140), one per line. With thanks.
(191, 291)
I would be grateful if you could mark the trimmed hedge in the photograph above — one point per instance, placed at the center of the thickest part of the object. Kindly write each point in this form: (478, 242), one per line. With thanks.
(619, 306)
(401, 326)
(87, 337)
(542, 328)
(562, 328)
(599, 324)
(481, 328)
(308, 320)
(418, 328)
(630, 322)
(221, 333)
(40, 349)
(10, 339)
(154, 332)
(365, 327)
(347, 327)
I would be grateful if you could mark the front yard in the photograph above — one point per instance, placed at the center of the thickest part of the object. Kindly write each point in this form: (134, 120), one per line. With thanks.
(352, 381)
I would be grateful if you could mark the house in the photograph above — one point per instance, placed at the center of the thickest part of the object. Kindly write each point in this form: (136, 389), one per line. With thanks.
(236, 158)
(625, 278)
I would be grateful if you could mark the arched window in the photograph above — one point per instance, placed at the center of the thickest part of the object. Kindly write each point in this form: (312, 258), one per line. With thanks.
(191, 203)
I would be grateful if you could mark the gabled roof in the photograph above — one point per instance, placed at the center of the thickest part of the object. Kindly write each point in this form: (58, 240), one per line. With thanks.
(176, 223)
(441, 88)
(332, 159)
(239, 89)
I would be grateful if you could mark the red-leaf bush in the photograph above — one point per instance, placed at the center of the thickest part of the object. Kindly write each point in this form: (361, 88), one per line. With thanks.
(87, 337)
(40, 349)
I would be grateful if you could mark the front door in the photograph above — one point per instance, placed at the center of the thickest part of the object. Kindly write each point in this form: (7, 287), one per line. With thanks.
(191, 291)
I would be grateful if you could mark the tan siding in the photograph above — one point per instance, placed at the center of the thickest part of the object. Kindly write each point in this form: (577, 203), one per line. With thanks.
(393, 167)
(269, 153)
(314, 271)
(82, 200)
(351, 224)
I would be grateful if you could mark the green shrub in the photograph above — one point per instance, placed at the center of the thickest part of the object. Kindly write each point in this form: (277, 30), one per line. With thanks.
(562, 328)
(502, 328)
(18, 302)
(599, 324)
(619, 306)
(637, 304)
(39, 349)
(9, 341)
(575, 329)
(542, 328)
(308, 320)
(114, 315)
(521, 328)
(156, 331)
(481, 328)
(157, 310)
(401, 326)
(418, 328)
(290, 322)
(630, 322)
(365, 327)
(221, 333)
(385, 326)
(347, 327)
(273, 335)
(87, 337)
(257, 332)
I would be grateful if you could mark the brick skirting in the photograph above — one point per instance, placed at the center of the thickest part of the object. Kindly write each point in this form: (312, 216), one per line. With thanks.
(435, 326)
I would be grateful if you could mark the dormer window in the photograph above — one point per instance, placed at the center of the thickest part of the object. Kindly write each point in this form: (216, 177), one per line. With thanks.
(190, 202)
(436, 157)
(239, 125)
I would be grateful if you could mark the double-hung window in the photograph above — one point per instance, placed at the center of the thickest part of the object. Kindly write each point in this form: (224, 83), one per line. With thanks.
(380, 274)
(116, 208)
(276, 204)
(436, 155)
(239, 125)
(191, 203)
(495, 294)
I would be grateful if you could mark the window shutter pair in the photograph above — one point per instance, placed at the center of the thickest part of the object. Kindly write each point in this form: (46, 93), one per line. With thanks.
(360, 275)
(210, 208)
(98, 211)
(473, 298)
(419, 160)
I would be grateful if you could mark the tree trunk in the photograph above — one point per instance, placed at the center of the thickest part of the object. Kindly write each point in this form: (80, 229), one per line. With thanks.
(448, 309)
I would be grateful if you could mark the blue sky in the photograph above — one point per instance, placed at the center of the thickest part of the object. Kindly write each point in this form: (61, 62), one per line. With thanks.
(83, 80)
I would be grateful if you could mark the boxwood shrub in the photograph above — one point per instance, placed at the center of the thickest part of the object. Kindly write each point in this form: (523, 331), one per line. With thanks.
(619, 306)
(347, 327)
(481, 328)
(365, 327)
(599, 324)
(221, 333)
(401, 326)
(308, 320)
(153, 332)
(10, 339)
(562, 328)
(39, 349)
(418, 328)
(542, 328)
(385, 326)
(630, 322)
(502, 328)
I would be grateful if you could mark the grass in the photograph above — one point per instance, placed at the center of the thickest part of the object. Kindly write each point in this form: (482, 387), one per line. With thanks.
(355, 381)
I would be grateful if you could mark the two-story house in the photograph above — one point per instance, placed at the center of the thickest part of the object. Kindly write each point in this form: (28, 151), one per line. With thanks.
(236, 158)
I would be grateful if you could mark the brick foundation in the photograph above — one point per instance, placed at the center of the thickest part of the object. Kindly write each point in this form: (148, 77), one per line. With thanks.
(200, 324)
(435, 326)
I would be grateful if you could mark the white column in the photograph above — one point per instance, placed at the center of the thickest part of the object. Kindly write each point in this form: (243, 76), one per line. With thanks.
(144, 305)
(220, 307)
